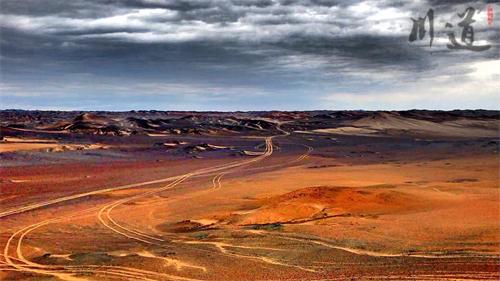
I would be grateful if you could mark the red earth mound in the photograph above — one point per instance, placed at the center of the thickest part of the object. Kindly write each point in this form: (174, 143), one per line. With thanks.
(313, 203)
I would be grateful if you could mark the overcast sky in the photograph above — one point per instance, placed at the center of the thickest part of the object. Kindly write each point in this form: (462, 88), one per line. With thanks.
(242, 55)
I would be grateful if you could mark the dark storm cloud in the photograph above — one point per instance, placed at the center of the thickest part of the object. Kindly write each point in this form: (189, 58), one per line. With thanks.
(223, 47)
(73, 9)
(181, 5)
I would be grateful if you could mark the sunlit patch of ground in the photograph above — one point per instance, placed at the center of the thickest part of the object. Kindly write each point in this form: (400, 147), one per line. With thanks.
(12, 144)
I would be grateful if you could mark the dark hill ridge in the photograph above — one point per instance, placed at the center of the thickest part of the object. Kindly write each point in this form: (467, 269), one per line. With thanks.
(478, 122)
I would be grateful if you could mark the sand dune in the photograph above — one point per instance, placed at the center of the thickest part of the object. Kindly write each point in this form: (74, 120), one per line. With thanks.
(349, 130)
(384, 122)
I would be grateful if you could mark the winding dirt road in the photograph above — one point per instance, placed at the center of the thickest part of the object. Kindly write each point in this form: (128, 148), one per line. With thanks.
(20, 263)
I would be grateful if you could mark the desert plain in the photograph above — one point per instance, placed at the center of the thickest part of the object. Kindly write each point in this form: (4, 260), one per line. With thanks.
(317, 195)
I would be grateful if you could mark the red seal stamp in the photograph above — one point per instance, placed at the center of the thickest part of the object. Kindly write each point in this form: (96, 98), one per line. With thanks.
(490, 15)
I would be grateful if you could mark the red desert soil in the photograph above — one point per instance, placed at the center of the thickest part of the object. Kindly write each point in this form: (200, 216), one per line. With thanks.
(310, 206)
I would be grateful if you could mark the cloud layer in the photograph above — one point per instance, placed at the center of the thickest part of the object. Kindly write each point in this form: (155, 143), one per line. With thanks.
(239, 54)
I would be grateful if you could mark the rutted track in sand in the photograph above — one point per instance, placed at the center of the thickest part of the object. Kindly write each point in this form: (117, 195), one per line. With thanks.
(104, 214)
(328, 244)
(80, 195)
(66, 272)
(200, 172)
(216, 181)
(222, 247)
(106, 219)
